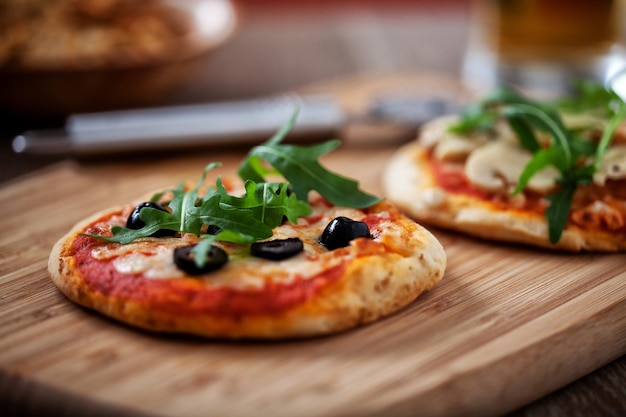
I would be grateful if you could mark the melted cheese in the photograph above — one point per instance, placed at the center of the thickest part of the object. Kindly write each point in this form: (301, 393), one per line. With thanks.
(150, 256)
(153, 257)
(613, 165)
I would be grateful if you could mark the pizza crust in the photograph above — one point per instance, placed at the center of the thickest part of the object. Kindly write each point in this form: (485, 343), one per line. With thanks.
(370, 287)
(409, 183)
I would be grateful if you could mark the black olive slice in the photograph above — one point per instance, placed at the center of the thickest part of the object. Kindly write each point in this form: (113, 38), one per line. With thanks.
(185, 260)
(277, 249)
(341, 230)
(134, 221)
(213, 229)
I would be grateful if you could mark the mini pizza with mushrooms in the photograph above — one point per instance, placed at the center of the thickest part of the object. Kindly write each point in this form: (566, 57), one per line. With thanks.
(509, 168)
(251, 258)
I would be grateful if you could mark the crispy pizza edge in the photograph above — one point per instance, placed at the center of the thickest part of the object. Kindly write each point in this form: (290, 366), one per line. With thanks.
(370, 288)
(407, 181)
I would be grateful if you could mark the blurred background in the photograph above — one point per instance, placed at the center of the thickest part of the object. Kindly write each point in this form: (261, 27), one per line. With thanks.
(219, 50)
(62, 57)
(106, 54)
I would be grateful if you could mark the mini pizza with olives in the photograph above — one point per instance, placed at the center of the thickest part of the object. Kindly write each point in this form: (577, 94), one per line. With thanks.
(510, 168)
(251, 258)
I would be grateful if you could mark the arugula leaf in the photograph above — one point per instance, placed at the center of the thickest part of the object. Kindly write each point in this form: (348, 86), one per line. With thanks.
(252, 167)
(201, 250)
(483, 115)
(543, 120)
(155, 220)
(244, 226)
(558, 210)
(590, 97)
(607, 135)
(269, 202)
(474, 118)
(300, 167)
(540, 160)
(524, 132)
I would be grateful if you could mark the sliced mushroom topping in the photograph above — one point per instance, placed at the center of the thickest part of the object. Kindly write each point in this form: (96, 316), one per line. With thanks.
(456, 148)
(587, 121)
(613, 165)
(453, 147)
(497, 165)
(433, 131)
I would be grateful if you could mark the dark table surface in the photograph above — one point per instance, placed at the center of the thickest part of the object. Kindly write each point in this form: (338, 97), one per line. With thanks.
(280, 46)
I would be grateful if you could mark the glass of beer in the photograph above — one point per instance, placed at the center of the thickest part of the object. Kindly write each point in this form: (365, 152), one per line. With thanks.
(545, 45)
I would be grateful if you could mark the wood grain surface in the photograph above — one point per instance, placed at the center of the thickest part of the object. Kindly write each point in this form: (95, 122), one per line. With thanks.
(279, 45)
(507, 325)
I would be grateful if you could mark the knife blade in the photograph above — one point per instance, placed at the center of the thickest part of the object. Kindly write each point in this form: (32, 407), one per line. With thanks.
(224, 123)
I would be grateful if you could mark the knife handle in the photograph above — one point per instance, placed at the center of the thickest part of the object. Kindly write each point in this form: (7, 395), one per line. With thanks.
(184, 126)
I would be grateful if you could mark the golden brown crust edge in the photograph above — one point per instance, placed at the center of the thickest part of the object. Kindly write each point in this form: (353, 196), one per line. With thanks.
(409, 184)
(371, 288)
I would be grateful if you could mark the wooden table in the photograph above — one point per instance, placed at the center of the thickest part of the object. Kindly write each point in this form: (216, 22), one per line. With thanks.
(276, 48)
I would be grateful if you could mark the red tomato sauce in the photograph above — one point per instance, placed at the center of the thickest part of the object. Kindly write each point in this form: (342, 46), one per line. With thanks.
(455, 181)
(613, 194)
(190, 295)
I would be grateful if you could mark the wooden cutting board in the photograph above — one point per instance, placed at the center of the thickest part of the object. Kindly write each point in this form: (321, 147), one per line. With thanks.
(507, 325)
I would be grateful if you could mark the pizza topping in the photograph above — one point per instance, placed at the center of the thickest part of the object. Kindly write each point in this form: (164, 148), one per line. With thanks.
(499, 164)
(599, 215)
(613, 165)
(184, 258)
(341, 231)
(151, 257)
(277, 249)
(134, 221)
(253, 287)
(450, 146)
(434, 197)
(153, 264)
(211, 229)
